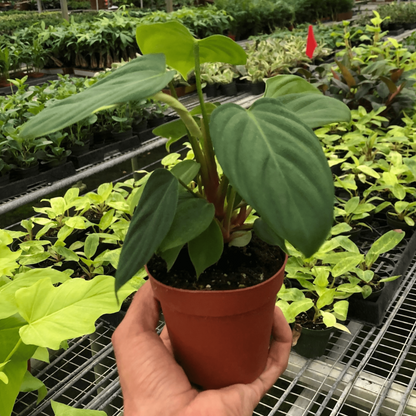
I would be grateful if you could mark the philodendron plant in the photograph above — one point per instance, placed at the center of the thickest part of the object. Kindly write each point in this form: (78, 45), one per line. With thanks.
(265, 158)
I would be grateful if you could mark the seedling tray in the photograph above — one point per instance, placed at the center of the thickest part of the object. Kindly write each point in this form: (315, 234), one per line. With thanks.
(96, 155)
(373, 312)
(18, 187)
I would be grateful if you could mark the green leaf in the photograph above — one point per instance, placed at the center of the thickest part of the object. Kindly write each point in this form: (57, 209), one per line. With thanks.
(291, 294)
(77, 302)
(61, 409)
(16, 368)
(300, 208)
(389, 279)
(8, 263)
(352, 205)
(366, 291)
(264, 232)
(176, 42)
(173, 131)
(341, 309)
(288, 84)
(76, 222)
(386, 243)
(41, 354)
(66, 253)
(31, 383)
(14, 371)
(150, 224)
(326, 298)
(341, 228)
(297, 308)
(170, 256)
(106, 220)
(242, 239)
(368, 171)
(209, 108)
(347, 261)
(329, 319)
(206, 249)
(140, 78)
(91, 245)
(192, 217)
(316, 110)
(186, 170)
(8, 306)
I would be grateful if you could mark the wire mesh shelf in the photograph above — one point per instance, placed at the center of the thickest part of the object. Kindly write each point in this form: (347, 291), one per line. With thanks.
(370, 372)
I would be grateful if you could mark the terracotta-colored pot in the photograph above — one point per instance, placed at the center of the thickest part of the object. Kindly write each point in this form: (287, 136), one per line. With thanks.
(36, 74)
(220, 337)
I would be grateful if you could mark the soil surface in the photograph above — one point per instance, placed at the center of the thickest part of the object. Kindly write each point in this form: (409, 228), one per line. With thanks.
(238, 267)
(305, 320)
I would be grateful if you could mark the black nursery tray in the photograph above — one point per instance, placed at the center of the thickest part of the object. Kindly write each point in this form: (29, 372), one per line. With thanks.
(98, 154)
(18, 187)
(373, 313)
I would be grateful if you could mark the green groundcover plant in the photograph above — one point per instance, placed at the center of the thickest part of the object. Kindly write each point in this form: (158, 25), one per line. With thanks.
(33, 305)
(266, 158)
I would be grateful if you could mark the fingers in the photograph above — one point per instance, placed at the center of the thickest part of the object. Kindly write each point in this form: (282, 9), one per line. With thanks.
(164, 336)
(142, 315)
(279, 351)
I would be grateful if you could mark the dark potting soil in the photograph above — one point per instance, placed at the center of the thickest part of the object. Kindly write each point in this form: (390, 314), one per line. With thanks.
(305, 320)
(239, 267)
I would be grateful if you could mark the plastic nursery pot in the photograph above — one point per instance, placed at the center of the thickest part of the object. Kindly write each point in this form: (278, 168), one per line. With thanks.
(396, 224)
(5, 179)
(211, 90)
(122, 135)
(229, 89)
(78, 150)
(23, 173)
(220, 337)
(312, 343)
(258, 88)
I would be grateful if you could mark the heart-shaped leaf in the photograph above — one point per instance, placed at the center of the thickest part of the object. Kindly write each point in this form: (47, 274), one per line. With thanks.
(138, 79)
(193, 216)
(206, 249)
(176, 42)
(277, 165)
(288, 84)
(316, 110)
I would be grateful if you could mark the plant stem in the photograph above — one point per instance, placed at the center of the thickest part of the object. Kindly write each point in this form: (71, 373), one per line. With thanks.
(207, 143)
(172, 90)
(229, 212)
(13, 350)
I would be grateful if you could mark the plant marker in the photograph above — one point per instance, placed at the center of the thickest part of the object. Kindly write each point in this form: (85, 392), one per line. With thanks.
(310, 43)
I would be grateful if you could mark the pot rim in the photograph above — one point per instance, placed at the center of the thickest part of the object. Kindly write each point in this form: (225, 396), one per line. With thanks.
(245, 289)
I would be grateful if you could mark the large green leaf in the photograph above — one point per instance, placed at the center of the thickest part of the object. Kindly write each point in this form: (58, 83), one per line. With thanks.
(8, 306)
(150, 224)
(193, 216)
(316, 110)
(15, 371)
(138, 79)
(288, 84)
(268, 235)
(207, 248)
(55, 314)
(277, 165)
(16, 368)
(186, 170)
(177, 43)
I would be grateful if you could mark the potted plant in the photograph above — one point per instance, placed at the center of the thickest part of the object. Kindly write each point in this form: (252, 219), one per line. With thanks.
(313, 313)
(198, 212)
(122, 121)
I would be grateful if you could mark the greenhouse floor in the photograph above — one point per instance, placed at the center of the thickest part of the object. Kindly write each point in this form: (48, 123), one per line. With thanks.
(370, 372)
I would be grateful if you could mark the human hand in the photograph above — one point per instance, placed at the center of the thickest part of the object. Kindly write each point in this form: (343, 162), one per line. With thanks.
(153, 384)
